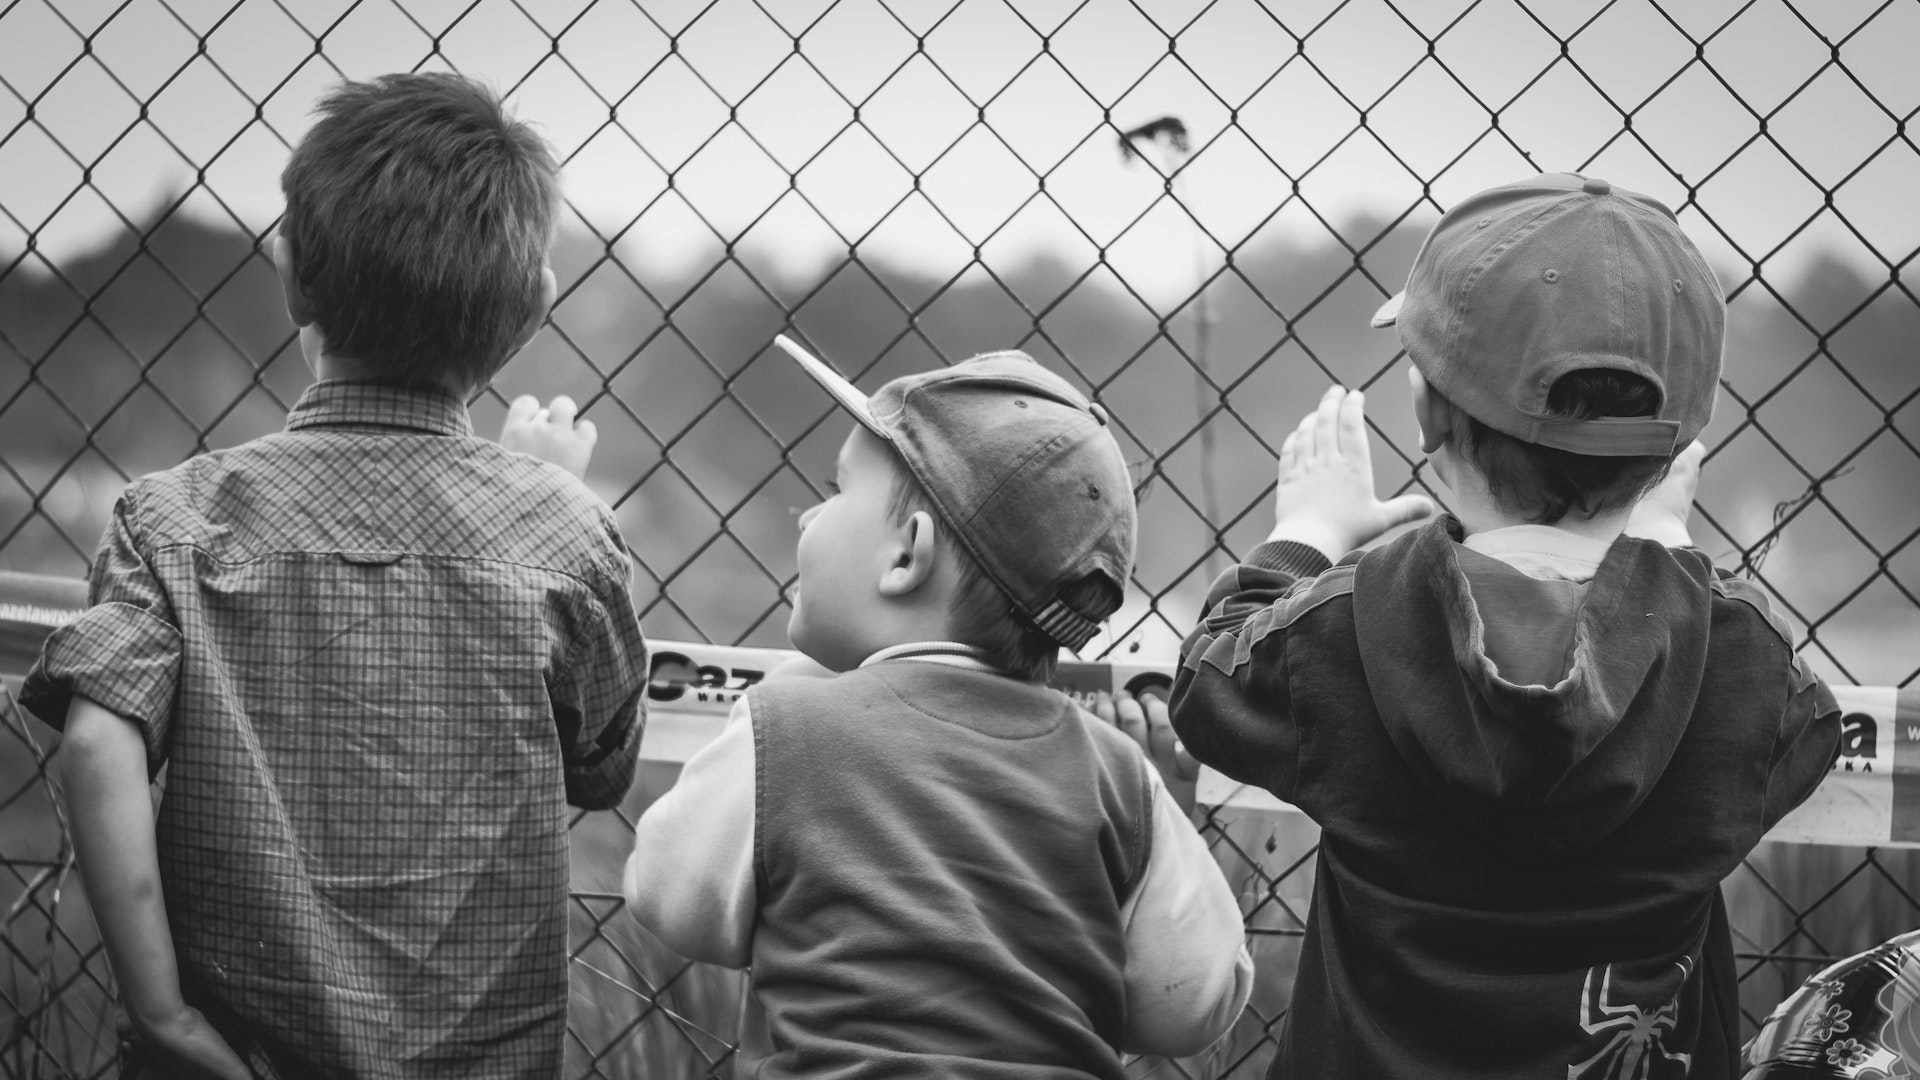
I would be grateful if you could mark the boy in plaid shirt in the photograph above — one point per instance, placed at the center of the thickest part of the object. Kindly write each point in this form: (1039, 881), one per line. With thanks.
(378, 656)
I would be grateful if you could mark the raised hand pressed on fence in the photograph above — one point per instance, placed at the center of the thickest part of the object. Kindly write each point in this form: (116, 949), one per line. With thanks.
(1325, 498)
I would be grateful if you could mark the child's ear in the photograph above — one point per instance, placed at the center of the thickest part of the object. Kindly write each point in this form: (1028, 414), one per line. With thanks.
(913, 562)
(1433, 413)
(299, 308)
(549, 291)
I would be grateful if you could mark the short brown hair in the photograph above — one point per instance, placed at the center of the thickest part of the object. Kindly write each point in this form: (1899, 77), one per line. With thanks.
(1543, 483)
(982, 615)
(419, 214)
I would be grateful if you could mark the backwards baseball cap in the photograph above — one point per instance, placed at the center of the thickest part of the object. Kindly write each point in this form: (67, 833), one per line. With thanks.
(1021, 468)
(1521, 284)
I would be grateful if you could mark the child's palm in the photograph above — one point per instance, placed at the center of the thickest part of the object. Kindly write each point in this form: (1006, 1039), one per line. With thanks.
(1325, 495)
(1661, 514)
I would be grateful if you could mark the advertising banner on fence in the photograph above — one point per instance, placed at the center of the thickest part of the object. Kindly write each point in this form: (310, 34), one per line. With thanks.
(1871, 799)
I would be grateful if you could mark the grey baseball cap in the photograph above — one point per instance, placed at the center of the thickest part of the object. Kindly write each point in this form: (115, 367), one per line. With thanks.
(1021, 467)
(1523, 283)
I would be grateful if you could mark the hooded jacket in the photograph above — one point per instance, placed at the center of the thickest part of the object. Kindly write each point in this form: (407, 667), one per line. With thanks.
(1529, 791)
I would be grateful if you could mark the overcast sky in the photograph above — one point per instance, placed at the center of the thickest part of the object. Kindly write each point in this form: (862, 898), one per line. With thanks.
(715, 99)
(924, 132)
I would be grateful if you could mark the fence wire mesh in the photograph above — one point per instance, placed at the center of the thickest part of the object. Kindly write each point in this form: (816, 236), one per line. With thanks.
(1187, 207)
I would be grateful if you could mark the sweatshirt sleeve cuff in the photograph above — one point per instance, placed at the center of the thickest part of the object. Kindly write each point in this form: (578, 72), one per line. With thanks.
(1289, 557)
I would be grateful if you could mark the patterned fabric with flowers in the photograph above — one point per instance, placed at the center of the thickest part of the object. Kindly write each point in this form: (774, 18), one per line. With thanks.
(1830, 988)
(1848, 1054)
(1826, 1023)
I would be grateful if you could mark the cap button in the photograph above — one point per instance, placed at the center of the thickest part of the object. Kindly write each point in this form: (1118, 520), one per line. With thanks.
(1596, 187)
(1099, 413)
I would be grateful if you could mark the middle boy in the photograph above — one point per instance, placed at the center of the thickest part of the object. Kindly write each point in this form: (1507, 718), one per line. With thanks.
(936, 865)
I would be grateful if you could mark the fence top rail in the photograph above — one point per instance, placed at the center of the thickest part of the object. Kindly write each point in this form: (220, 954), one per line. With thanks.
(1872, 799)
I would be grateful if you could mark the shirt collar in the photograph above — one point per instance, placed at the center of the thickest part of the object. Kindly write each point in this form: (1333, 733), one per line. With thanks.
(951, 653)
(1542, 551)
(338, 403)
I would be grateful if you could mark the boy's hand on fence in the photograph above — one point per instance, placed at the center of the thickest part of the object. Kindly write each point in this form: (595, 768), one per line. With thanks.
(1144, 719)
(1325, 498)
(1661, 514)
(550, 434)
(186, 1045)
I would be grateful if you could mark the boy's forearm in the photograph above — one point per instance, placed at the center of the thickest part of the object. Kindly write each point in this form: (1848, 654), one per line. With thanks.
(690, 879)
(1237, 719)
(1262, 576)
(1808, 745)
(1187, 973)
(1231, 701)
(102, 767)
(605, 690)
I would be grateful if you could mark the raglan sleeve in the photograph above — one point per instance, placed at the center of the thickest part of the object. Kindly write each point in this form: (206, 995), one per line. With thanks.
(690, 879)
(1188, 972)
(1806, 739)
(1231, 704)
(1806, 744)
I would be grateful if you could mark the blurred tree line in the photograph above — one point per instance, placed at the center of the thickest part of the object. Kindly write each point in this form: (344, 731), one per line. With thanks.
(133, 356)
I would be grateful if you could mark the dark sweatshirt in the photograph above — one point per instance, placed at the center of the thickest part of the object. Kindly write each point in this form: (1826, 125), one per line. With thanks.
(1515, 878)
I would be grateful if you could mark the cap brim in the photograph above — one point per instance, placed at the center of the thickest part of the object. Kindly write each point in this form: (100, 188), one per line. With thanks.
(844, 392)
(1389, 312)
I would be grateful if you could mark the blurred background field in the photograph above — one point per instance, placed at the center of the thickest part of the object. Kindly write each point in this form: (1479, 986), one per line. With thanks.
(904, 183)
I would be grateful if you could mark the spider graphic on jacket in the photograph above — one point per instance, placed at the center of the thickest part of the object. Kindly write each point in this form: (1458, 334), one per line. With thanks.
(1633, 1050)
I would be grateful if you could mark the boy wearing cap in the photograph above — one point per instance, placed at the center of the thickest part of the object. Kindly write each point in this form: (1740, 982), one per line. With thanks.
(1536, 733)
(937, 866)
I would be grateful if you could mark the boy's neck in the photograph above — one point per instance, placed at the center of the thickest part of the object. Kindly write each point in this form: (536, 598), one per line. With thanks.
(909, 628)
(1477, 512)
(326, 365)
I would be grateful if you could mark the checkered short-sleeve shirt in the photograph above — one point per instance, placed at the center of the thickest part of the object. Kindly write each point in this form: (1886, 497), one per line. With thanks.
(378, 657)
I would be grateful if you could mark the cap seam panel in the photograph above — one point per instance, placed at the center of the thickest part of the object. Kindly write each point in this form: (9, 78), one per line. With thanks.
(1025, 461)
(1001, 381)
(1485, 263)
(1617, 291)
(960, 527)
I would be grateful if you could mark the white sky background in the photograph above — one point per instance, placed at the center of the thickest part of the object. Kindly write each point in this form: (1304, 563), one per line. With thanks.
(921, 71)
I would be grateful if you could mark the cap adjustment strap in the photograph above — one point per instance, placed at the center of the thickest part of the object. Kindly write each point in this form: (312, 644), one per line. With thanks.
(1065, 625)
(1609, 436)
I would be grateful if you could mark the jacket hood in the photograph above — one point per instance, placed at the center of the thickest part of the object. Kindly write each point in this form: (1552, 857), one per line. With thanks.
(1545, 769)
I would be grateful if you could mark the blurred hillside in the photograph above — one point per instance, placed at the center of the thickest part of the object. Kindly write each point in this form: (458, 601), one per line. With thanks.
(709, 438)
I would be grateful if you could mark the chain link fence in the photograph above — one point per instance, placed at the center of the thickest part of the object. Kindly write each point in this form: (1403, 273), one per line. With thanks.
(1187, 207)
